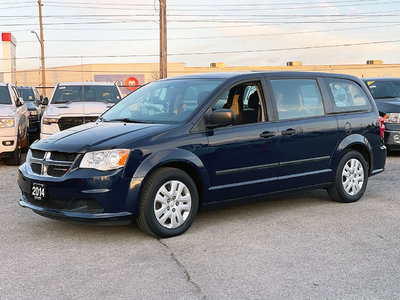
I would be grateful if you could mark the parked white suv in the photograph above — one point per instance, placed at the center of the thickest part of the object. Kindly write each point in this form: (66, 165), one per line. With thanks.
(76, 103)
(14, 124)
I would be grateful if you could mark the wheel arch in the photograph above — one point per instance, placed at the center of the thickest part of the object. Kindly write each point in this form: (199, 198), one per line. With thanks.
(357, 143)
(176, 158)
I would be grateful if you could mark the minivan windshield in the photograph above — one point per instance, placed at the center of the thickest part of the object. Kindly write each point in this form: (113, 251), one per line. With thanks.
(169, 101)
(26, 93)
(85, 93)
(4, 95)
(383, 89)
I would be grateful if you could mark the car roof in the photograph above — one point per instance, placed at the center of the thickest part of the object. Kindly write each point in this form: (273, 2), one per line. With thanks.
(87, 83)
(243, 75)
(24, 87)
(3, 83)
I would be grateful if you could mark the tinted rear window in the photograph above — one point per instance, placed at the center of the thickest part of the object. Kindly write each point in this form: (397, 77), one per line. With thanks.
(348, 95)
(4, 95)
(26, 94)
(87, 93)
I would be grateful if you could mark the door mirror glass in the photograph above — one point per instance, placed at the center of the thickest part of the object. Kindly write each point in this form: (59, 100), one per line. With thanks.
(220, 117)
(19, 102)
(44, 100)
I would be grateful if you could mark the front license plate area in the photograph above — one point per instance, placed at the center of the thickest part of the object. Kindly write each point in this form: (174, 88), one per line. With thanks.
(39, 191)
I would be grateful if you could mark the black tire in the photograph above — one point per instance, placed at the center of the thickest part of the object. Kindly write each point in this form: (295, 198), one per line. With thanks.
(337, 192)
(147, 220)
(15, 159)
(25, 143)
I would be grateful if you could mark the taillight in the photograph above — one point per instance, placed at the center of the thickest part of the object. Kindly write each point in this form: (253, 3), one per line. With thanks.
(381, 126)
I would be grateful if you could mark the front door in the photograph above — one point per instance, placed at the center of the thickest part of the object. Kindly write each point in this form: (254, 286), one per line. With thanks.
(243, 157)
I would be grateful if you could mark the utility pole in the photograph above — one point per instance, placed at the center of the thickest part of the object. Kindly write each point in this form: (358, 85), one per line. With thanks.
(163, 39)
(42, 49)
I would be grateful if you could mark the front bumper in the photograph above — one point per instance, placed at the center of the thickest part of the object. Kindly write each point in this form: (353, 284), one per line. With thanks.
(4, 149)
(80, 195)
(34, 124)
(392, 140)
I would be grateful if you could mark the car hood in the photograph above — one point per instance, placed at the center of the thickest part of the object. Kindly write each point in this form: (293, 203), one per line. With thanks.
(78, 109)
(30, 105)
(99, 136)
(388, 105)
(6, 110)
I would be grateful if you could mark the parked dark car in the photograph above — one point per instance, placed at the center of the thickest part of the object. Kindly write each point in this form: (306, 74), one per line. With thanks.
(180, 143)
(386, 93)
(32, 99)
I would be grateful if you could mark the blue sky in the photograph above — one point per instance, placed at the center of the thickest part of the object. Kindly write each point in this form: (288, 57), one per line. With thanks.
(236, 32)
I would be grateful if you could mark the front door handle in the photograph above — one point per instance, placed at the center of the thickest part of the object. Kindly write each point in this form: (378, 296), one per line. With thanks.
(267, 134)
(289, 131)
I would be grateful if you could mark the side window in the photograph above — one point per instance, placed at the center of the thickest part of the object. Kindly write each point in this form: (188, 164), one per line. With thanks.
(245, 101)
(297, 98)
(347, 95)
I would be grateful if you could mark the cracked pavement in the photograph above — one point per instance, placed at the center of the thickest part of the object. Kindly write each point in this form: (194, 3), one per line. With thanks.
(298, 246)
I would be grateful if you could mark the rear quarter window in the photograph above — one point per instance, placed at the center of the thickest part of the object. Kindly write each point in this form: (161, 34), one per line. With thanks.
(347, 95)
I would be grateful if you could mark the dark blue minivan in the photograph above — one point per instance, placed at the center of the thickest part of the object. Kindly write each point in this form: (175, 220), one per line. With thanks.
(180, 143)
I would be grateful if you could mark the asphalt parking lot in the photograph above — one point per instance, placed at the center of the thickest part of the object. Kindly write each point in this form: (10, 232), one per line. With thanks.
(300, 246)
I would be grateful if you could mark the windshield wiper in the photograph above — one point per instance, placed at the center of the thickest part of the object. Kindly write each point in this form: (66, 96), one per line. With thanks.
(62, 102)
(125, 120)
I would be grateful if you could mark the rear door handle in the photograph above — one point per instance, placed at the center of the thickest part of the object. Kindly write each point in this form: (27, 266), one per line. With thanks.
(267, 134)
(289, 131)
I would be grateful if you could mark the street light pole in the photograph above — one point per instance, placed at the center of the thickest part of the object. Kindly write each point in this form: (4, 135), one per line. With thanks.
(42, 49)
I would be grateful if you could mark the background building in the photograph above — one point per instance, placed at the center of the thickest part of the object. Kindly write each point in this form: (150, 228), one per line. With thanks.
(134, 74)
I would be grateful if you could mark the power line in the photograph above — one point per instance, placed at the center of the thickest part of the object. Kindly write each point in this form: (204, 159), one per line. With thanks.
(217, 52)
(216, 37)
(369, 14)
(229, 7)
(221, 5)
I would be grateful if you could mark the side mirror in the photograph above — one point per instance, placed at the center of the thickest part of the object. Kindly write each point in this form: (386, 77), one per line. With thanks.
(44, 100)
(220, 117)
(19, 102)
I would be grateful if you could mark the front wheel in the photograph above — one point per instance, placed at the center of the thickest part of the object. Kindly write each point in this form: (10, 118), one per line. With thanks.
(168, 203)
(351, 178)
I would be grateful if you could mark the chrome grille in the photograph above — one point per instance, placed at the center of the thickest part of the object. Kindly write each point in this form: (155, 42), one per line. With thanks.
(68, 122)
(53, 164)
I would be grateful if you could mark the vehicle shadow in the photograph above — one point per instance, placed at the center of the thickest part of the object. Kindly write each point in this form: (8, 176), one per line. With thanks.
(207, 218)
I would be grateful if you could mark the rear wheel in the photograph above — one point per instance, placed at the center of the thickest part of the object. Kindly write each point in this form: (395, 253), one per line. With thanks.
(15, 159)
(169, 203)
(351, 178)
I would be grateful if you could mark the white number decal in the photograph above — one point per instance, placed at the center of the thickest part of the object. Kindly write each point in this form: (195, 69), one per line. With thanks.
(38, 191)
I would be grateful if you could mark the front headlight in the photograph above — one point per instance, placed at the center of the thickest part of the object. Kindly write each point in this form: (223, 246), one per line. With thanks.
(392, 118)
(7, 122)
(105, 160)
(49, 121)
(33, 113)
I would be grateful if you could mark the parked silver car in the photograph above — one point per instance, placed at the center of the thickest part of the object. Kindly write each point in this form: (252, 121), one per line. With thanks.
(14, 124)
(76, 103)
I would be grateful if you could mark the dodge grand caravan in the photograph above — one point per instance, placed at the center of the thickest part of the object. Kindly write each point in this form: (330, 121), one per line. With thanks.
(180, 143)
